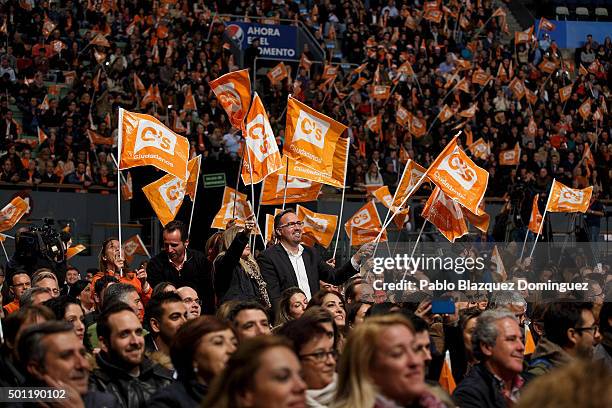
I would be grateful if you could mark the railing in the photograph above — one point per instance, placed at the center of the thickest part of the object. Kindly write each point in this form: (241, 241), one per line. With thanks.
(55, 186)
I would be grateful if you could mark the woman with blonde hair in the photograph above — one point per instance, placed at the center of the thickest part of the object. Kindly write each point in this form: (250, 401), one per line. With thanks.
(380, 369)
(291, 306)
(263, 372)
(237, 275)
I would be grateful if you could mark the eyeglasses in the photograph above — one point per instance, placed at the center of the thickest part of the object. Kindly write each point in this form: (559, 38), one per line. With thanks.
(190, 300)
(321, 356)
(292, 224)
(594, 327)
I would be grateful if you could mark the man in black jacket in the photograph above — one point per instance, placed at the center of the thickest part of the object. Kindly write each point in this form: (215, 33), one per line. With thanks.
(182, 266)
(123, 370)
(495, 382)
(53, 356)
(288, 263)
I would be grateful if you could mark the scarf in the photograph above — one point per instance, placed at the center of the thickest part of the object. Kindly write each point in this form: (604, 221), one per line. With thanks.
(322, 398)
(251, 268)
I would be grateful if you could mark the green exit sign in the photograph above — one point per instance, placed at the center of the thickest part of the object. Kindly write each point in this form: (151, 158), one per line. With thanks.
(214, 180)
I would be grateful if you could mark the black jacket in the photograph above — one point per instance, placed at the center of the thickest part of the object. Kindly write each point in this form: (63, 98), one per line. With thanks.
(479, 389)
(196, 273)
(231, 281)
(179, 395)
(277, 270)
(131, 392)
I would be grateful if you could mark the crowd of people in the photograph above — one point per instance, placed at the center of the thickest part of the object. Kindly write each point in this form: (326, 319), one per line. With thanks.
(288, 328)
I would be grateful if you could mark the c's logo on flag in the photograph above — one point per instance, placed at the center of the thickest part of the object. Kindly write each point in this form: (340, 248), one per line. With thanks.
(173, 193)
(259, 131)
(361, 218)
(458, 170)
(129, 248)
(150, 134)
(7, 212)
(316, 223)
(292, 182)
(571, 196)
(311, 129)
(228, 97)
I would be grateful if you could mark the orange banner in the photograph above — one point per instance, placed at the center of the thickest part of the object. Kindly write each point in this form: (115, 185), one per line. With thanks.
(480, 149)
(383, 195)
(585, 109)
(338, 173)
(374, 123)
(565, 92)
(469, 112)
(445, 214)
(329, 71)
(193, 168)
(459, 177)
(517, 87)
(565, 199)
(278, 73)
(152, 95)
(418, 126)
(74, 250)
(233, 90)
(535, 220)
(146, 141)
(319, 228)
(166, 197)
(12, 213)
(298, 190)
(364, 226)
(402, 116)
(510, 157)
(227, 212)
(134, 246)
(311, 137)
(445, 114)
(127, 192)
(97, 139)
(263, 154)
(410, 177)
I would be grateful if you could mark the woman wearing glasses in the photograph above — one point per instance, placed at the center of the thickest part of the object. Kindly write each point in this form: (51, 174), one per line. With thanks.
(237, 275)
(314, 342)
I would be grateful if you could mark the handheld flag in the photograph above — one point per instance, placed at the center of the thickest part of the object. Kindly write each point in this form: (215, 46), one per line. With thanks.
(234, 93)
(298, 190)
(166, 197)
(535, 220)
(565, 199)
(319, 228)
(510, 157)
(12, 213)
(445, 214)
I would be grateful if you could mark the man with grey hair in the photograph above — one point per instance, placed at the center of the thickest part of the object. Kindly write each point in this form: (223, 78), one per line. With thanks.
(497, 345)
(512, 301)
(52, 355)
(34, 296)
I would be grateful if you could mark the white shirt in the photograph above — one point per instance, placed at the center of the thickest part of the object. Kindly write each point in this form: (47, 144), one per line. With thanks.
(300, 269)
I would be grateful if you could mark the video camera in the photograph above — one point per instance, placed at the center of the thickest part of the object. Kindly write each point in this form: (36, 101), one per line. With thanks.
(42, 242)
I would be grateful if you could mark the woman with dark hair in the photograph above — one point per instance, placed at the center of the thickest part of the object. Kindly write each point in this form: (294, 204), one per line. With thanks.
(70, 310)
(356, 313)
(333, 302)
(199, 352)
(237, 274)
(163, 287)
(264, 372)
(291, 306)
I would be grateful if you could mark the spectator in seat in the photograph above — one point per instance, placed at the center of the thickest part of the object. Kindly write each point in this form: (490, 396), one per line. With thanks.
(20, 282)
(30, 174)
(49, 175)
(291, 306)
(123, 369)
(250, 319)
(34, 296)
(164, 315)
(79, 176)
(8, 174)
(69, 310)
(191, 300)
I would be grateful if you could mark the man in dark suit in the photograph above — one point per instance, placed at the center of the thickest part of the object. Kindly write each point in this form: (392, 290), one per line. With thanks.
(288, 263)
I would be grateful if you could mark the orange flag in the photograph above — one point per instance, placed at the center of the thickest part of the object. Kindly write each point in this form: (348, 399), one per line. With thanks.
(234, 206)
(190, 102)
(374, 123)
(565, 199)
(469, 112)
(446, 380)
(480, 149)
(445, 214)
(532, 98)
(360, 83)
(298, 190)
(582, 70)
(500, 269)
(305, 62)
(100, 40)
(445, 114)
(127, 192)
(193, 168)
(523, 36)
(152, 95)
(319, 228)
(44, 105)
(435, 16)
(138, 85)
(144, 140)
(329, 71)
(499, 12)
(134, 246)
(74, 250)
(501, 73)
(269, 229)
(12, 213)
(517, 87)
(479, 221)
(327, 83)
(263, 154)
(48, 26)
(359, 69)
(410, 177)
(278, 73)
(338, 173)
(587, 156)
(529, 343)
(585, 109)
(548, 67)
(311, 137)
(364, 226)
(469, 136)
(405, 69)
(380, 92)
(459, 177)
(41, 136)
(535, 220)
(402, 116)
(403, 155)
(463, 65)
(546, 25)
(166, 197)
(234, 93)
(98, 140)
(510, 157)
(532, 128)
(418, 126)
(463, 85)
(383, 195)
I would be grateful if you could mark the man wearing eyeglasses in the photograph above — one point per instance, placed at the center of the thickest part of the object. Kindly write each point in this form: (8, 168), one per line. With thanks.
(288, 263)
(20, 282)
(570, 332)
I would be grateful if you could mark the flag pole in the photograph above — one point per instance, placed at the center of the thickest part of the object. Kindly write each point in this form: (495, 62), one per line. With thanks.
(543, 217)
(348, 146)
(286, 181)
(195, 194)
(252, 185)
(571, 228)
(4, 250)
(416, 243)
(394, 196)
(119, 140)
(238, 180)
